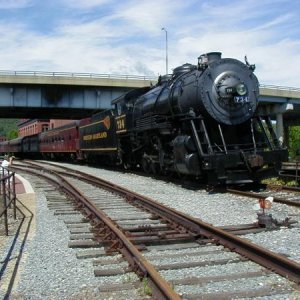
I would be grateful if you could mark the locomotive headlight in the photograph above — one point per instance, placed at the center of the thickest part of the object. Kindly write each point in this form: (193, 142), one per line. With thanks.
(241, 89)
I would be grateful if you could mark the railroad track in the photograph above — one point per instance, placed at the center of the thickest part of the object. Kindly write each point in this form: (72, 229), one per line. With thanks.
(281, 194)
(285, 195)
(127, 223)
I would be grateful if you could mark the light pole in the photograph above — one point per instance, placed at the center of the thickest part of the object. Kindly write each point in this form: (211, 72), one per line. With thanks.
(166, 49)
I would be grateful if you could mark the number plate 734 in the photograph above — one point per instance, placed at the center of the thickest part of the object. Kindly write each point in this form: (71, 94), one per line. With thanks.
(241, 99)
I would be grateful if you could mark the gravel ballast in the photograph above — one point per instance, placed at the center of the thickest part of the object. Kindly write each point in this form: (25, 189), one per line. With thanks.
(51, 269)
(63, 276)
(218, 209)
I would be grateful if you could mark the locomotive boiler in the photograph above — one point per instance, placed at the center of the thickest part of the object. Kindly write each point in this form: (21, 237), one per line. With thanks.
(200, 121)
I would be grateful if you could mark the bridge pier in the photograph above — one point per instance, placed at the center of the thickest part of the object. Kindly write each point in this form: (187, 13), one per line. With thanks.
(276, 111)
(280, 128)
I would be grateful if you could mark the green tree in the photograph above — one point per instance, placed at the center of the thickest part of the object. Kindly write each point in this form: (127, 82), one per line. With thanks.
(294, 141)
(9, 128)
(12, 134)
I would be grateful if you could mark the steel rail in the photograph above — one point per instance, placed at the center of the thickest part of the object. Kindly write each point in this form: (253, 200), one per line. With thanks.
(291, 188)
(271, 260)
(260, 255)
(134, 257)
(258, 196)
(282, 187)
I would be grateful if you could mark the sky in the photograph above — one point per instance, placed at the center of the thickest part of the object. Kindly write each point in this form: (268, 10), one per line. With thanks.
(126, 37)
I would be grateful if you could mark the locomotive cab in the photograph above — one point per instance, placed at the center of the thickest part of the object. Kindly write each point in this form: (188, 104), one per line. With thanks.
(123, 109)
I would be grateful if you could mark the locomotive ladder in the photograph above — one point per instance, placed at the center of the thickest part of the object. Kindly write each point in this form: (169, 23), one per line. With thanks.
(197, 140)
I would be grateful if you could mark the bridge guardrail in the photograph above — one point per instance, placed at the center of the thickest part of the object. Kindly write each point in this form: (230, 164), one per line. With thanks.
(70, 74)
(279, 87)
(114, 76)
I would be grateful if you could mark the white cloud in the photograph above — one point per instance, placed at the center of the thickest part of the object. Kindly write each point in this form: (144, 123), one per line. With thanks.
(276, 62)
(148, 16)
(128, 39)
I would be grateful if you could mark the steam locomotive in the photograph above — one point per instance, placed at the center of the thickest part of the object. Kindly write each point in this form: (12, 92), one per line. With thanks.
(200, 121)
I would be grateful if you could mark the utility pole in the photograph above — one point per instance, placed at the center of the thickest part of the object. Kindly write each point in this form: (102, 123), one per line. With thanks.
(166, 49)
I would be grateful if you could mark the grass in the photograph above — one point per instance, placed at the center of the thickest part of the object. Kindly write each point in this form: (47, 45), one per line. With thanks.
(146, 289)
(280, 181)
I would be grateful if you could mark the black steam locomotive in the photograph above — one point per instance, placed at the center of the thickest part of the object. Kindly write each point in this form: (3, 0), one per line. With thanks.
(200, 121)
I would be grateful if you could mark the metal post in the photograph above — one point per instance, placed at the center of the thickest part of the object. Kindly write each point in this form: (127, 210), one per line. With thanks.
(5, 207)
(8, 188)
(253, 136)
(210, 149)
(166, 49)
(222, 138)
(198, 143)
(14, 196)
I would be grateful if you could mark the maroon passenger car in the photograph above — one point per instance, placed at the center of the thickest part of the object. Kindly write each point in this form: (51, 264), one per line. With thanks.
(60, 142)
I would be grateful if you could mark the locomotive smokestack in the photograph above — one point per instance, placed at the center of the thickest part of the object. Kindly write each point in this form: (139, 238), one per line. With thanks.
(213, 56)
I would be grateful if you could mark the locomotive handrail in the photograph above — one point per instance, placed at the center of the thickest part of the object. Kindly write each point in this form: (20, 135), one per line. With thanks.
(71, 74)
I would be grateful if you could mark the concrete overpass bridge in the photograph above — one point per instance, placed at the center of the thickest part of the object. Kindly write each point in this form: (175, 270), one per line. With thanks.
(59, 95)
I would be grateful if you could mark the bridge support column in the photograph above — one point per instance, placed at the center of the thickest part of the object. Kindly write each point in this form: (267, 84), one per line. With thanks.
(279, 128)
